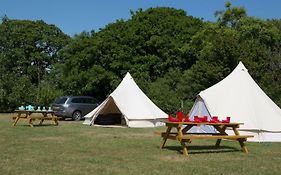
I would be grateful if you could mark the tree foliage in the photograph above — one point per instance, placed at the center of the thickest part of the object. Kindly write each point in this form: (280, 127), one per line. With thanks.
(231, 16)
(172, 56)
(148, 46)
(28, 51)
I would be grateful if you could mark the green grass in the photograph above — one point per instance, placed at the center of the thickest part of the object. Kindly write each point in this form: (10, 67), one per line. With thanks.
(73, 148)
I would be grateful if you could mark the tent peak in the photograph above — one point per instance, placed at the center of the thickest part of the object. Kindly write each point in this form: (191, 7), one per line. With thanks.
(128, 75)
(241, 67)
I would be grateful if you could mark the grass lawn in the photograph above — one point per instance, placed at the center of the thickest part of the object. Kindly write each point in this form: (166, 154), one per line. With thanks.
(73, 148)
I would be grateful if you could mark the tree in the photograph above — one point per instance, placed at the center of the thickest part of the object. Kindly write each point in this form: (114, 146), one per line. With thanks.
(231, 15)
(172, 56)
(28, 50)
(147, 46)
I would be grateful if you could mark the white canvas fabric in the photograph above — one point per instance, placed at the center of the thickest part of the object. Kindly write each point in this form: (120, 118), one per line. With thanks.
(239, 97)
(129, 100)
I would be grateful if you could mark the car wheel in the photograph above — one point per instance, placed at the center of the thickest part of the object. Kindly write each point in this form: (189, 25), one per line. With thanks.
(77, 115)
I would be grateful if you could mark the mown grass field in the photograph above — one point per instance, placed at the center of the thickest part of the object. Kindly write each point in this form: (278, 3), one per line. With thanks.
(73, 149)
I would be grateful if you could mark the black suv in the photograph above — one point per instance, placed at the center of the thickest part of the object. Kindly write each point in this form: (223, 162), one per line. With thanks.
(75, 107)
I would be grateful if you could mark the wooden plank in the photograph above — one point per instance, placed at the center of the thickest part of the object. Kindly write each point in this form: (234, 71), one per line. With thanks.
(30, 121)
(195, 134)
(165, 137)
(172, 137)
(43, 118)
(221, 129)
(163, 134)
(34, 111)
(187, 128)
(235, 137)
(16, 121)
(184, 148)
(243, 146)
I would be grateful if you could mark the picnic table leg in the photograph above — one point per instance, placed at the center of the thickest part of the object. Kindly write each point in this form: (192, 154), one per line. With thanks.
(42, 120)
(218, 142)
(55, 119)
(222, 132)
(241, 141)
(57, 123)
(180, 134)
(165, 137)
(16, 120)
(187, 128)
(184, 148)
(30, 121)
(243, 146)
(235, 130)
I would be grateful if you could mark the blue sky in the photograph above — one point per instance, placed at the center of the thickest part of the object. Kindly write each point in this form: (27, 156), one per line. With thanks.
(75, 16)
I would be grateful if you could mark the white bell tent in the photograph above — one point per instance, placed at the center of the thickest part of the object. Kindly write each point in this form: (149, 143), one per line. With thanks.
(239, 97)
(129, 106)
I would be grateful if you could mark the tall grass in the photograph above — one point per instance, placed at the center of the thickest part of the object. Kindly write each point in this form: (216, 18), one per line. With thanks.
(73, 148)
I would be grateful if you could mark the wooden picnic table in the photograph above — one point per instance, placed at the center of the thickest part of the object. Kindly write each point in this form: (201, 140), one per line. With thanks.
(183, 136)
(29, 116)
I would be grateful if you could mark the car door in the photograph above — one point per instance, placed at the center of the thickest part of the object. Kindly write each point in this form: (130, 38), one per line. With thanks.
(89, 105)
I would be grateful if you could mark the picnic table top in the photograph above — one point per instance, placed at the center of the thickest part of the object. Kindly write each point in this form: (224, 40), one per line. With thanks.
(33, 111)
(202, 123)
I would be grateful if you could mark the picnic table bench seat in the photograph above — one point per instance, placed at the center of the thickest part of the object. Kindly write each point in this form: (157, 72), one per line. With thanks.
(205, 136)
(231, 137)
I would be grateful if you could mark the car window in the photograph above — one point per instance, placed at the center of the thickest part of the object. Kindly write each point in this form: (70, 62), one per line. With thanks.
(90, 100)
(77, 100)
(60, 100)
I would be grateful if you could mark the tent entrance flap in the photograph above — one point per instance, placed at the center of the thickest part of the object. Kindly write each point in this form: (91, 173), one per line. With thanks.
(110, 115)
(110, 119)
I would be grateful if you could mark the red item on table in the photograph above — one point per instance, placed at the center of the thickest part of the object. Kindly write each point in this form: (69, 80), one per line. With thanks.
(187, 119)
(227, 120)
(172, 119)
(196, 119)
(180, 115)
(204, 119)
(214, 119)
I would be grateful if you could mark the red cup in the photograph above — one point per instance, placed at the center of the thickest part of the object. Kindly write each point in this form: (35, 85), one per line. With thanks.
(186, 119)
(180, 115)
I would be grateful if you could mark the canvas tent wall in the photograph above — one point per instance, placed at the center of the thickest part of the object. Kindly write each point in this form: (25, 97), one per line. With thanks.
(239, 97)
(129, 102)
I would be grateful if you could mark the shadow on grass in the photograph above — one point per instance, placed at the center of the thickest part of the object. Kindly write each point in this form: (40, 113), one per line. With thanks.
(36, 125)
(49, 125)
(203, 149)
